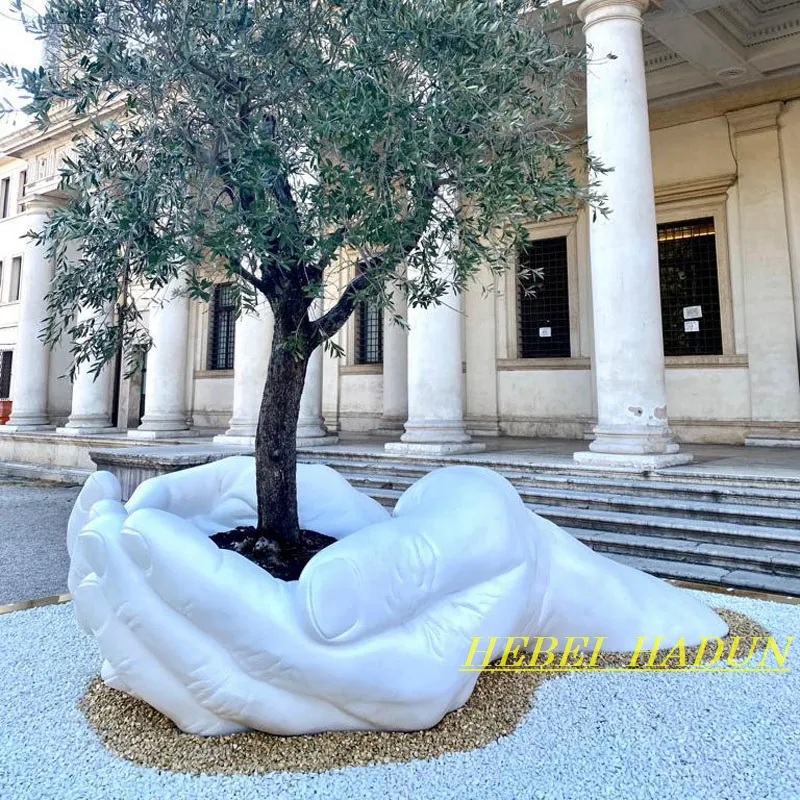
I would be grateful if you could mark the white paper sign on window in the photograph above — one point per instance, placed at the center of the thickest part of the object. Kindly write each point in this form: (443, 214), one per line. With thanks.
(691, 326)
(692, 312)
(545, 333)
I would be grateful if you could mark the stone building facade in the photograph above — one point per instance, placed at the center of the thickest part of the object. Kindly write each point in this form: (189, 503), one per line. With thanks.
(674, 319)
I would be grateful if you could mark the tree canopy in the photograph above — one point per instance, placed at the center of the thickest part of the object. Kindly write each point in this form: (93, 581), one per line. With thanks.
(281, 140)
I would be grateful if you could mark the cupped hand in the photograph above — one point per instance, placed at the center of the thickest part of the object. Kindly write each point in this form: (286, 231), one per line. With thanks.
(370, 637)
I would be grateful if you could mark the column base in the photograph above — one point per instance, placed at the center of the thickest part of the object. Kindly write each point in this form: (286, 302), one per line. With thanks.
(12, 427)
(236, 439)
(434, 437)
(317, 441)
(631, 462)
(149, 435)
(84, 430)
(433, 448)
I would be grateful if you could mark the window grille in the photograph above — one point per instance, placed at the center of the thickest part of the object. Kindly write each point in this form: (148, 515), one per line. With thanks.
(369, 333)
(543, 300)
(222, 333)
(690, 305)
(5, 374)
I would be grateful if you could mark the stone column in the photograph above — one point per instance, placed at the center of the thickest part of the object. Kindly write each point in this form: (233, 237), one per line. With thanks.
(252, 347)
(632, 431)
(480, 308)
(91, 400)
(435, 424)
(395, 368)
(311, 430)
(768, 296)
(165, 394)
(31, 370)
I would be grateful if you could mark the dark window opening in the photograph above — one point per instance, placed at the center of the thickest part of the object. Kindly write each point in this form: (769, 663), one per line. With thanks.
(222, 324)
(23, 184)
(5, 374)
(369, 333)
(690, 307)
(543, 300)
(143, 388)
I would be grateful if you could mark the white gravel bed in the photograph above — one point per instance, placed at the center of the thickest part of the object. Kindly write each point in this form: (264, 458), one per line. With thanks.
(659, 735)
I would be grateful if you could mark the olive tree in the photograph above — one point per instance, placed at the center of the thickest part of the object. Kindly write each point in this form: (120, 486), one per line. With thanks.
(284, 141)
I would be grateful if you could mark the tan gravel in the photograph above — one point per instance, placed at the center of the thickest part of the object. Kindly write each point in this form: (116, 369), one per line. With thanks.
(137, 732)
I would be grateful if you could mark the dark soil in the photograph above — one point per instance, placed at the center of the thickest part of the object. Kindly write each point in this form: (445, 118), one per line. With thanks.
(285, 563)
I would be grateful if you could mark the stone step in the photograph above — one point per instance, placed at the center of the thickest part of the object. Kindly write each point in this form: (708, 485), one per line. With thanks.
(702, 573)
(506, 461)
(738, 513)
(676, 528)
(718, 489)
(725, 557)
(643, 525)
(680, 528)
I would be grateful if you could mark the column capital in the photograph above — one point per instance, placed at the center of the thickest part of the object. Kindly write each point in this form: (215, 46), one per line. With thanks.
(41, 204)
(593, 11)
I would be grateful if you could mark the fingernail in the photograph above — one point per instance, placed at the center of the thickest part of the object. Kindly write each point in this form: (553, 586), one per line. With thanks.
(137, 548)
(334, 598)
(94, 548)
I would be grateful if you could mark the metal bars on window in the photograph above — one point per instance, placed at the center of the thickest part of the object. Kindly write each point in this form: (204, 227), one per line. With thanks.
(543, 300)
(690, 303)
(369, 333)
(222, 334)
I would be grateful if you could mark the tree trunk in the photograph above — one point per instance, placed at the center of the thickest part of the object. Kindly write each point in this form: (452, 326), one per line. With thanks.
(276, 443)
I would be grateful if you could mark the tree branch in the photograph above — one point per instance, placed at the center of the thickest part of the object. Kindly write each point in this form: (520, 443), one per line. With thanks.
(237, 268)
(328, 324)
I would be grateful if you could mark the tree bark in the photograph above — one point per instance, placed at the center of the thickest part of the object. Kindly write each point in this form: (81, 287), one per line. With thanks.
(276, 443)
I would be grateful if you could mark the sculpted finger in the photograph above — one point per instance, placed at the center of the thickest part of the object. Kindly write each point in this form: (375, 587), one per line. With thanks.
(327, 503)
(197, 491)
(196, 662)
(98, 486)
(209, 670)
(130, 667)
(455, 528)
(79, 566)
(224, 595)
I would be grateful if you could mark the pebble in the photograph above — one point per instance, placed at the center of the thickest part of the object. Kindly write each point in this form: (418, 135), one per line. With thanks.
(665, 735)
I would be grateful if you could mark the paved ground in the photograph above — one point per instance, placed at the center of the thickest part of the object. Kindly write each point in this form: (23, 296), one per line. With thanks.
(33, 529)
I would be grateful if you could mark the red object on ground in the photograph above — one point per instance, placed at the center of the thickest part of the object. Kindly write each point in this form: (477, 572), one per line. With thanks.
(5, 411)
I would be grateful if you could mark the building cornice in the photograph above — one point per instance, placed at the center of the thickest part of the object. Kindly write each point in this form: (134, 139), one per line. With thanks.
(63, 123)
(755, 118)
(704, 188)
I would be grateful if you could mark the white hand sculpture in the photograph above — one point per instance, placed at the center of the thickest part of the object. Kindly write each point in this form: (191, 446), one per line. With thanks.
(373, 634)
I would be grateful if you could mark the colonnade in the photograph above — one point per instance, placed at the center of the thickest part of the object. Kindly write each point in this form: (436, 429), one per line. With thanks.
(423, 374)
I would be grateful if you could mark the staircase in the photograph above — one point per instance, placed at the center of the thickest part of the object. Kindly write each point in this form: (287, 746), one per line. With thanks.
(721, 529)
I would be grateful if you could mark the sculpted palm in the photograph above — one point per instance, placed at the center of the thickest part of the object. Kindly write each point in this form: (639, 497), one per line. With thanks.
(373, 634)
